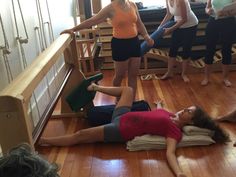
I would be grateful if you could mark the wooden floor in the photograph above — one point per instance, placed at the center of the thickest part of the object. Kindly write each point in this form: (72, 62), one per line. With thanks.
(113, 160)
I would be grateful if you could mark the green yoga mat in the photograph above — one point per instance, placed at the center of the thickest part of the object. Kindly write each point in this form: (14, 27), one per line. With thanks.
(80, 96)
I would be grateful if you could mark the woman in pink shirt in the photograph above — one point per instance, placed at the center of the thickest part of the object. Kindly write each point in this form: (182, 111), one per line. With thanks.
(125, 125)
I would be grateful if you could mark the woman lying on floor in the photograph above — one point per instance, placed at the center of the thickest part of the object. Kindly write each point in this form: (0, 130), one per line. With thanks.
(126, 125)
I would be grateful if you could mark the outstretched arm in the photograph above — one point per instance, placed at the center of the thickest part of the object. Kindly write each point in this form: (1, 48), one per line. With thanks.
(230, 117)
(171, 157)
(100, 17)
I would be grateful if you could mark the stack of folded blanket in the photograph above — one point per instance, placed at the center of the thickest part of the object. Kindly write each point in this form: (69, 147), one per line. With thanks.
(192, 136)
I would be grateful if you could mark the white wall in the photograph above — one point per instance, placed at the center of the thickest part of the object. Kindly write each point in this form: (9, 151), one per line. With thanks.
(62, 16)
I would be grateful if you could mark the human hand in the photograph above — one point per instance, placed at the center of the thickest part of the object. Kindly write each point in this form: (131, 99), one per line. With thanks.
(159, 103)
(150, 42)
(167, 31)
(209, 11)
(70, 31)
(223, 13)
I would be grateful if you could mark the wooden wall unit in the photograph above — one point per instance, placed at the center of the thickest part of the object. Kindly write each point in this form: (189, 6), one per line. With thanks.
(155, 61)
(88, 51)
(105, 36)
(96, 6)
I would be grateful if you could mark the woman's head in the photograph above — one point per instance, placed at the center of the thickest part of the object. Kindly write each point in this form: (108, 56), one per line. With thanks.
(185, 115)
(201, 119)
(21, 161)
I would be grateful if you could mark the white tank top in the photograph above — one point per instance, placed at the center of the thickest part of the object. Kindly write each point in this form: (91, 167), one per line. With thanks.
(191, 17)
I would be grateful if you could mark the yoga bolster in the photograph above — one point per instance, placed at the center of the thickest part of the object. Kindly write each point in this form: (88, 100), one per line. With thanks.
(100, 115)
(156, 35)
(80, 96)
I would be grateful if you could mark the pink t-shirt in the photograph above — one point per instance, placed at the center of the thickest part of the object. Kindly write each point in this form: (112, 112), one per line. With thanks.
(157, 122)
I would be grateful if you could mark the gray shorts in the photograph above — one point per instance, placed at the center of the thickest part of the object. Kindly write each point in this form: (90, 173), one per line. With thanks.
(111, 130)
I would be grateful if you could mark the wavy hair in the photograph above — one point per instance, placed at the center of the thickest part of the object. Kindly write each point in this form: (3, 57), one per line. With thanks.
(203, 120)
(22, 161)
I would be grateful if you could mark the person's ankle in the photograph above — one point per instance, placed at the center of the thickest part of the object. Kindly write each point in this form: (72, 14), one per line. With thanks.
(95, 87)
(185, 78)
(167, 75)
(92, 87)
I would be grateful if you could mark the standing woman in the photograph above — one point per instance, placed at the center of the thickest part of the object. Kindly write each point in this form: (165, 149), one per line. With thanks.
(125, 43)
(183, 33)
(221, 26)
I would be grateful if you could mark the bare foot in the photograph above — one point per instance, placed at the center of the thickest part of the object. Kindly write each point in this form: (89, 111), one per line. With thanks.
(204, 82)
(167, 75)
(227, 83)
(185, 78)
(41, 142)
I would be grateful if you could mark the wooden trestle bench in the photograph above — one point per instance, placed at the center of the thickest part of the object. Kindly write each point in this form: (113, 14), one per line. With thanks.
(49, 79)
(196, 65)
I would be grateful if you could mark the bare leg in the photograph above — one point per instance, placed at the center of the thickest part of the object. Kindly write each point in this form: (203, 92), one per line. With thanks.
(207, 71)
(125, 93)
(169, 73)
(225, 69)
(90, 135)
(95, 134)
(133, 70)
(120, 70)
(184, 70)
(231, 117)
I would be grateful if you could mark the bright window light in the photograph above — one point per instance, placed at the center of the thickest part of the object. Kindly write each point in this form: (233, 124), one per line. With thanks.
(146, 3)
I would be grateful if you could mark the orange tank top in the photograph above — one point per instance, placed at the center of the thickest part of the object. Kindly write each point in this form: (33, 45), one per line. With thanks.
(124, 22)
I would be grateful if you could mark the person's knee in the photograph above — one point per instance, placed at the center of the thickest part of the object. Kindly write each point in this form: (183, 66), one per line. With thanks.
(128, 90)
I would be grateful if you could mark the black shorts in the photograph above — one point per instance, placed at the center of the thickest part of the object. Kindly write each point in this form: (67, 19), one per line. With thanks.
(182, 37)
(111, 130)
(123, 49)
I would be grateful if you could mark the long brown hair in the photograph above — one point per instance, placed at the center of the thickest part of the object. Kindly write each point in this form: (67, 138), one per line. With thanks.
(203, 120)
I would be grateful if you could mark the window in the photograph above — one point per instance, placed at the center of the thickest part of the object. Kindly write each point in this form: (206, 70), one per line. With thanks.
(149, 3)
(146, 3)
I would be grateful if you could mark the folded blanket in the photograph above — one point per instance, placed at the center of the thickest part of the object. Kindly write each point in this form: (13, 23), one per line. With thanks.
(193, 130)
(148, 142)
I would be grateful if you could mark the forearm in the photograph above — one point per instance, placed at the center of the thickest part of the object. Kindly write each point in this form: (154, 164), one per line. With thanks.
(177, 25)
(165, 19)
(83, 25)
(142, 30)
(174, 165)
